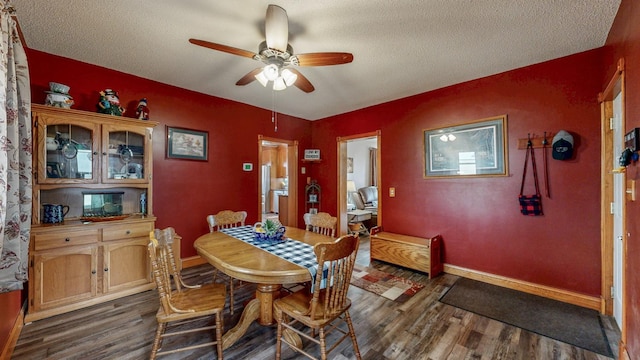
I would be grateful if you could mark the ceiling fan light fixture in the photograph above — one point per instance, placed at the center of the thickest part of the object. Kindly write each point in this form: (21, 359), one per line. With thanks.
(279, 84)
(271, 72)
(289, 77)
(262, 79)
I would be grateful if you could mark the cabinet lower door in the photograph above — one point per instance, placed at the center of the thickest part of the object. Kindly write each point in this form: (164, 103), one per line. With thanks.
(62, 278)
(126, 264)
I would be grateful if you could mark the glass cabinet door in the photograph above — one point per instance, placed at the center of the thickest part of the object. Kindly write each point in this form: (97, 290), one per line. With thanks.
(68, 152)
(125, 150)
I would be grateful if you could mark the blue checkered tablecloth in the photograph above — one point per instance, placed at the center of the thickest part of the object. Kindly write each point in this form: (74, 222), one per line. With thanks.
(291, 250)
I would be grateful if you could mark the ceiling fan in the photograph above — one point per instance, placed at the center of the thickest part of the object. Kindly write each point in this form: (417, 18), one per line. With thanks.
(278, 57)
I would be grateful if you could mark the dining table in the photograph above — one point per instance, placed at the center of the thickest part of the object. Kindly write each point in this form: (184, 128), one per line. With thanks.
(247, 262)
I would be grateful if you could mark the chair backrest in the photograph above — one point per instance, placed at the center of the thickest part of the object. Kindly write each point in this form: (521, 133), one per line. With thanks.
(160, 271)
(163, 267)
(321, 223)
(165, 237)
(338, 258)
(226, 219)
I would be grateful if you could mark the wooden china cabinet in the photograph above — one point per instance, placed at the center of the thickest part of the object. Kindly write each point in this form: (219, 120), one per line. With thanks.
(100, 166)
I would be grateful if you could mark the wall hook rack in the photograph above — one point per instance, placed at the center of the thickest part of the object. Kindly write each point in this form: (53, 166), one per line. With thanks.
(536, 141)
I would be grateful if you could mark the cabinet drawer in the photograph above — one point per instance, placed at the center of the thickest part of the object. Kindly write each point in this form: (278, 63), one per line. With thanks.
(126, 231)
(60, 239)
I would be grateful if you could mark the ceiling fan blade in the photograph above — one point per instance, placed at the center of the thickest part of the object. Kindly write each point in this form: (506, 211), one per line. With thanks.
(223, 48)
(323, 59)
(302, 82)
(276, 28)
(251, 76)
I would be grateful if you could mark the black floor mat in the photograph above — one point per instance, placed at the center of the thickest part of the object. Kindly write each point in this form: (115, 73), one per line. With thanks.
(568, 323)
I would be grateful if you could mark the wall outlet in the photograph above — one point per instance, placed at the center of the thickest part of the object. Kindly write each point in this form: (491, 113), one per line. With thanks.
(392, 192)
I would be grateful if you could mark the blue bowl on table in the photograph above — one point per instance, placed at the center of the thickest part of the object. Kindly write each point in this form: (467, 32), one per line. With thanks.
(278, 236)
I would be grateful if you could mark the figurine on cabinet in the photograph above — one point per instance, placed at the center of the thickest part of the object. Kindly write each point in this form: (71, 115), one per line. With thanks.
(109, 103)
(142, 112)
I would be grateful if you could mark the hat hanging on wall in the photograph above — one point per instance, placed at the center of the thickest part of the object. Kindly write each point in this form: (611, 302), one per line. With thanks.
(562, 146)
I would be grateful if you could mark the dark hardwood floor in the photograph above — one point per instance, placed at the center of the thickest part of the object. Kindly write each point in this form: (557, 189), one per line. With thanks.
(422, 328)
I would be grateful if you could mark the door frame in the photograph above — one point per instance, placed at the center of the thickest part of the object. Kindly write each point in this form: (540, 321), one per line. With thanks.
(342, 177)
(292, 174)
(615, 86)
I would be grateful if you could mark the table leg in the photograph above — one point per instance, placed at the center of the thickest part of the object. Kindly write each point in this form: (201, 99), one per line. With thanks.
(250, 313)
(266, 294)
(260, 308)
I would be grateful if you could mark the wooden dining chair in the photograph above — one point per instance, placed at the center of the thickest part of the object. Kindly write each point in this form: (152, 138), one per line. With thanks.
(321, 223)
(327, 306)
(182, 304)
(226, 219)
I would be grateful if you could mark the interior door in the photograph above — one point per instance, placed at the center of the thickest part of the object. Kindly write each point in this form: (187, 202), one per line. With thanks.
(618, 211)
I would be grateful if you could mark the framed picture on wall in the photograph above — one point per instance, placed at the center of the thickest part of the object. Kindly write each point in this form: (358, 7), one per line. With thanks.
(476, 148)
(187, 144)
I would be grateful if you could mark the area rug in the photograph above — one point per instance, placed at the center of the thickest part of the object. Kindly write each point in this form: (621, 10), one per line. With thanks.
(392, 287)
(568, 323)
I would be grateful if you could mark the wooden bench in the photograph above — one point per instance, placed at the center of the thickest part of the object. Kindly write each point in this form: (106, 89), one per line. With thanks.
(422, 254)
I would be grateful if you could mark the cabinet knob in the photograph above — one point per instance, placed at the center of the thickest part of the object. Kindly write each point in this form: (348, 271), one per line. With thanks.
(106, 269)
(95, 153)
(93, 272)
(67, 239)
(104, 153)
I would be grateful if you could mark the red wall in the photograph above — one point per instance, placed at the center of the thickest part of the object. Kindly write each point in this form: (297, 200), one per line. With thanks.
(479, 218)
(10, 303)
(184, 191)
(624, 42)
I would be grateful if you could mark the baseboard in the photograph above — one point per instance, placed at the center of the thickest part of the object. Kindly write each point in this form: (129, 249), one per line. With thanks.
(192, 261)
(7, 351)
(570, 297)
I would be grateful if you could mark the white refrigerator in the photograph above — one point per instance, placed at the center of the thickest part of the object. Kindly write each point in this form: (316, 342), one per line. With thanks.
(265, 172)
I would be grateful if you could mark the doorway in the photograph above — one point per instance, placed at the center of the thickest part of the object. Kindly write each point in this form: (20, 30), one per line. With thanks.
(277, 175)
(349, 182)
(613, 200)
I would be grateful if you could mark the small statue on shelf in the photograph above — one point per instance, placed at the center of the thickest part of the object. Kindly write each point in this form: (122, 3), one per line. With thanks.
(142, 112)
(109, 103)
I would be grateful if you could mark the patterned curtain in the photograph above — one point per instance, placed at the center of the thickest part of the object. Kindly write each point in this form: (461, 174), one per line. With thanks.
(15, 154)
(373, 173)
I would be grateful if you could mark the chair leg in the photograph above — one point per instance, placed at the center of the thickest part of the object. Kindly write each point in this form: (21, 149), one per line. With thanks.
(158, 340)
(323, 344)
(347, 317)
(279, 319)
(231, 300)
(219, 331)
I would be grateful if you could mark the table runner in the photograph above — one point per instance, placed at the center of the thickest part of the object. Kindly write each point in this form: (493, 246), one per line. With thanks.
(291, 250)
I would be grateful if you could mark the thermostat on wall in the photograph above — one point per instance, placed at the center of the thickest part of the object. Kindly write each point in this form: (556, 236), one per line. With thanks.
(312, 154)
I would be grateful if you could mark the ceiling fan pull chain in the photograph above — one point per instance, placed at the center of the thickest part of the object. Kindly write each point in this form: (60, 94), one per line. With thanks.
(274, 114)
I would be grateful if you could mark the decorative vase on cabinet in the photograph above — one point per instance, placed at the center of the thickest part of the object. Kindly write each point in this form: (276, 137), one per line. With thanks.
(89, 258)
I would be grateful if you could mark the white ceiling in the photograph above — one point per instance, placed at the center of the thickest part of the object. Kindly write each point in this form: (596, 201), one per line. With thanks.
(400, 47)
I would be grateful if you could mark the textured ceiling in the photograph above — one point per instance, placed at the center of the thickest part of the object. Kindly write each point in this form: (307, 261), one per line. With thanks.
(400, 47)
